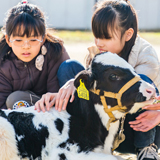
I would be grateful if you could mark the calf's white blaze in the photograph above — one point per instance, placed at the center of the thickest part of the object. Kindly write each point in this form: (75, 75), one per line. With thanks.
(114, 60)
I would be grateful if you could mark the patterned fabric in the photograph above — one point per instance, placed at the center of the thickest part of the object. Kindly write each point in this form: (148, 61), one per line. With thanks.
(20, 104)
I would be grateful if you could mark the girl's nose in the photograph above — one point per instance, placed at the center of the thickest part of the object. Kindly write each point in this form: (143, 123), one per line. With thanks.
(99, 42)
(26, 45)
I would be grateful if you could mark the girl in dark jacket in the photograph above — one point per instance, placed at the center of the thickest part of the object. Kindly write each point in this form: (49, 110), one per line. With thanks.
(29, 58)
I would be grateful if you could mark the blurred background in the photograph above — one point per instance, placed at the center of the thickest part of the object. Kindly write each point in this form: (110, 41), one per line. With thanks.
(76, 14)
(71, 20)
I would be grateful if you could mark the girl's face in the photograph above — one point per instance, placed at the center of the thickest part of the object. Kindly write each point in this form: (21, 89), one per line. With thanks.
(114, 45)
(25, 48)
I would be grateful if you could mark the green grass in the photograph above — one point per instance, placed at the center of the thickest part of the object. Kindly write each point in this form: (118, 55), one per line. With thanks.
(87, 36)
(152, 37)
(74, 36)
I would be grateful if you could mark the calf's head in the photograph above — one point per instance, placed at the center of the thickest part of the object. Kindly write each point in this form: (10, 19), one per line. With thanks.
(108, 74)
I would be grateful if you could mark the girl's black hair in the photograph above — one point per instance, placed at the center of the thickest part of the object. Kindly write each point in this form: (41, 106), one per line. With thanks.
(28, 19)
(111, 16)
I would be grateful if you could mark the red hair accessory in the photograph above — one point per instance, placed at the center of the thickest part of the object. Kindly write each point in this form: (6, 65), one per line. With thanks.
(24, 2)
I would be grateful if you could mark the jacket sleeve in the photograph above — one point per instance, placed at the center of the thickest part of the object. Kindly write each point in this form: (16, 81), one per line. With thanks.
(52, 81)
(5, 90)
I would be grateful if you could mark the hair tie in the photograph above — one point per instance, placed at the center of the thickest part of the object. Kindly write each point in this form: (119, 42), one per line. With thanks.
(24, 2)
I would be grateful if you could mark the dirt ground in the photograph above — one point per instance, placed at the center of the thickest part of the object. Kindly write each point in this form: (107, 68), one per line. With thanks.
(78, 51)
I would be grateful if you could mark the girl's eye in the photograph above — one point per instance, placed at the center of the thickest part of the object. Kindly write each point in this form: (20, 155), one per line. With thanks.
(18, 40)
(33, 40)
(114, 77)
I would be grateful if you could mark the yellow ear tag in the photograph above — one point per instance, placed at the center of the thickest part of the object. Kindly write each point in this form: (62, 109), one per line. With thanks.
(82, 91)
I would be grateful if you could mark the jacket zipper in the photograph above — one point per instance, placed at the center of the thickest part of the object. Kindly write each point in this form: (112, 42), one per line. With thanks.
(26, 66)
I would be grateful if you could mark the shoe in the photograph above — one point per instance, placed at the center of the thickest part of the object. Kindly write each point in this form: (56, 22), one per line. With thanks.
(148, 153)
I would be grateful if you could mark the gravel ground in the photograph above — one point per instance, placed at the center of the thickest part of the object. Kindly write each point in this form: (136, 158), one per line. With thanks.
(78, 51)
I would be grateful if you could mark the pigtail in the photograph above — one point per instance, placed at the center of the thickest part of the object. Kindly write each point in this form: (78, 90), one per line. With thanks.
(54, 46)
(4, 49)
(54, 39)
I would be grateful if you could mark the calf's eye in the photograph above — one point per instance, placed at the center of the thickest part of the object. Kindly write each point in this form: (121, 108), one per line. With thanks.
(113, 77)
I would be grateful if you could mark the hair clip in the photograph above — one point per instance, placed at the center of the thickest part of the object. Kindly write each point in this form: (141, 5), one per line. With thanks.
(24, 2)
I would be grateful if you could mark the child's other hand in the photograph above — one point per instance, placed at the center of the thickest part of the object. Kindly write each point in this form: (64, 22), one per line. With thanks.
(46, 102)
(65, 92)
(155, 106)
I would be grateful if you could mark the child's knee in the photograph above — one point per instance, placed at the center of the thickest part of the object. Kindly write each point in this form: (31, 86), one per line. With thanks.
(70, 66)
(12, 98)
(68, 70)
(19, 99)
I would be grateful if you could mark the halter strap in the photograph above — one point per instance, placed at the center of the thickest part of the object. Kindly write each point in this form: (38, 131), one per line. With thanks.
(117, 96)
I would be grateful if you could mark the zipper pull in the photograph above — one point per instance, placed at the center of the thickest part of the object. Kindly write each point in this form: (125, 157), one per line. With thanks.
(25, 65)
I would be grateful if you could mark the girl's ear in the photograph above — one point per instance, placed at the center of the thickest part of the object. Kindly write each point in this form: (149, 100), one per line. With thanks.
(7, 41)
(129, 34)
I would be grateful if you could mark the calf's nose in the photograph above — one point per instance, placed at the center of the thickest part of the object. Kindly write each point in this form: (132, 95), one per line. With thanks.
(151, 91)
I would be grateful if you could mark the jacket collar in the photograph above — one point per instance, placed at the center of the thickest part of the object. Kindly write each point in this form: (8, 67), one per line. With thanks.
(19, 63)
(133, 56)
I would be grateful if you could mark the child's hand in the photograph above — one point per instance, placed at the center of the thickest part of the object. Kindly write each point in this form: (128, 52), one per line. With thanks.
(64, 94)
(155, 106)
(93, 50)
(47, 101)
(146, 121)
(60, 99)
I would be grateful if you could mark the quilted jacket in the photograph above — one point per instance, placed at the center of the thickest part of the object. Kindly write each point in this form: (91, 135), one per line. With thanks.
(18, 75)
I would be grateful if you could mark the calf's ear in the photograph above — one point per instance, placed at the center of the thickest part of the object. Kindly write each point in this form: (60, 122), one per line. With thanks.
(86, 78)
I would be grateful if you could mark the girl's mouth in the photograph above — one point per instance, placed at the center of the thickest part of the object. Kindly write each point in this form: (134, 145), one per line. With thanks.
(26, 54)
(101, 50)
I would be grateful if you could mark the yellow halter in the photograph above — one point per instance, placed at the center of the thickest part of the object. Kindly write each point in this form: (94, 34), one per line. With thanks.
(117, 96)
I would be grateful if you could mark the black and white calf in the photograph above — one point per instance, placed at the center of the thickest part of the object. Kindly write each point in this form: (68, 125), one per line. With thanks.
(79, 133)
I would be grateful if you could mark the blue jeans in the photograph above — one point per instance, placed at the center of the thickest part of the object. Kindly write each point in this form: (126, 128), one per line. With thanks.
(137, 139)
(68, 70)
